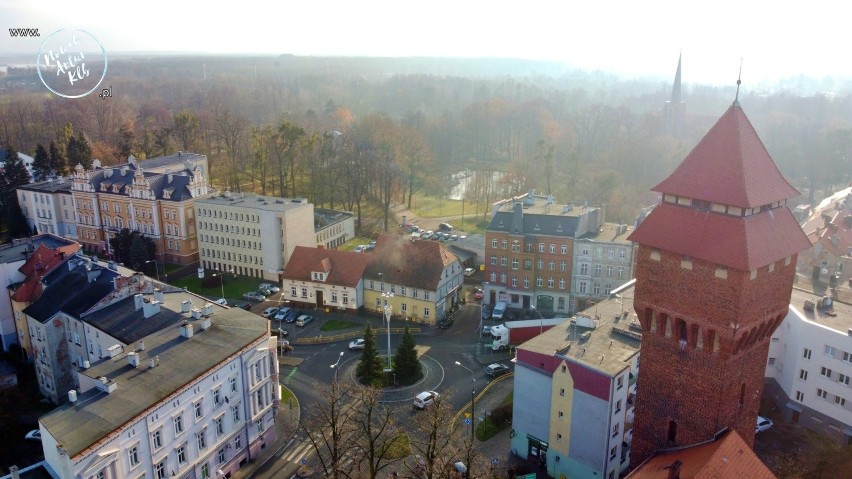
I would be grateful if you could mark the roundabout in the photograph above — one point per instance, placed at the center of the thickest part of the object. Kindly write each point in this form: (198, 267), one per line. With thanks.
(433, 376)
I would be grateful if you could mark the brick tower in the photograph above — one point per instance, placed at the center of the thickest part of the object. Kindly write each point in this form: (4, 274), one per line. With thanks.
(714, 273)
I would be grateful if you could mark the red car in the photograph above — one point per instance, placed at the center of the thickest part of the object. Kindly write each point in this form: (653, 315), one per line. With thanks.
(478, 294)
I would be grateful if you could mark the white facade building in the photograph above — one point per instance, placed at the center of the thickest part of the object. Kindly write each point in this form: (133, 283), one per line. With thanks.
(809, 369)
(252, 235)
(198, 401)
(49, 207)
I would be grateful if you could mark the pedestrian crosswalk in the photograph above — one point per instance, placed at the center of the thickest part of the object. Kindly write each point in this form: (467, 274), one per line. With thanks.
(301, 451)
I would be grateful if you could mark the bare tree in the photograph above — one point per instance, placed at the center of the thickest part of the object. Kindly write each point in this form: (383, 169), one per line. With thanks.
(435, 439)
(331, 430)
(377, 434)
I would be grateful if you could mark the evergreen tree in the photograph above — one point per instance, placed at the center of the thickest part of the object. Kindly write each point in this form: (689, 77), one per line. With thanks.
(79, 151)
(18, 227)
(406, 365)
(41, 163)
(132, 248)
(57, 159)
(370, 367)
(14, 175)
(138, 251)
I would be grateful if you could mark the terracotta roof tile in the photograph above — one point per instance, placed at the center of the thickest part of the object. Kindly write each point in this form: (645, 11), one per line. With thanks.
(725, 458)
(730, 166)
(741, 243)
(345, 268)
(416, 264)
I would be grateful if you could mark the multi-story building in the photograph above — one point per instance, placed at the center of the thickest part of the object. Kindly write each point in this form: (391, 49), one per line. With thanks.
(529, 251)
(48, 207)
(252, 235)
(714, 273)
(603, 261)
(195, 399)
(43, 257)
(574, 392)
(325, 278)
(419, 280)
(829, 227)
(155, 197)
(333, 228)
(809, 369)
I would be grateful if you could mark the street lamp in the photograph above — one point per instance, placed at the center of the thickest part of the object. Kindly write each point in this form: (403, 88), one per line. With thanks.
(156, 267)
(540, 319)
(333, 366)
(472, 397)
(387, 308)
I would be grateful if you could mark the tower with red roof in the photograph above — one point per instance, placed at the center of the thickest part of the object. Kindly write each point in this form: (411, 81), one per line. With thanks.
(714, 273)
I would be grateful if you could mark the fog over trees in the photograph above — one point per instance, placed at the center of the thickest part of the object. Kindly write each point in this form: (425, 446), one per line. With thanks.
(342, 131)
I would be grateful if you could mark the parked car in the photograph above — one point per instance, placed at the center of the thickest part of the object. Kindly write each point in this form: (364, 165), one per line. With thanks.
(445, 227)
(496, 369)
(357, 344)
(34, 435)
(271, 287)
(446, 322)
(426, 234)
(236, 304)
(264, 293)
(282, 314)
(268, 312)
(304, 320)
(469, 271)
(292, 315)
(221, 302)
(454, 237)
(486, 330)
(254, 296)
(478, 293)
(460, 469)
(360, 248)
(762, 424)
(425, 398)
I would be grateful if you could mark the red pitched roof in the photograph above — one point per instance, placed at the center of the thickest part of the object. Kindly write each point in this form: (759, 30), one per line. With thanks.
(344, 267)
(743, 243)
(417, 264)
(729, 166)
(724, 458)
(41, 262)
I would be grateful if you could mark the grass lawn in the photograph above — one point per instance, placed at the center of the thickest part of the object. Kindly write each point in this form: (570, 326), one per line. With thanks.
(336, 324)
(234, 286)
(432, 207)
(399, 447)
(351, 244)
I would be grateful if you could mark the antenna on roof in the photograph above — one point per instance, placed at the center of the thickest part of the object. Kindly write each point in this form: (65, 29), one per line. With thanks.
(739, 80)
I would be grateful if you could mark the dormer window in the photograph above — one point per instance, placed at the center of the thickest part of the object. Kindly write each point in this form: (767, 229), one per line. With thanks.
(319, 276)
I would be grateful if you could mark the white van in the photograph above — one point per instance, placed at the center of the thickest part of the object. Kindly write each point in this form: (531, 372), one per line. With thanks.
(499, 310)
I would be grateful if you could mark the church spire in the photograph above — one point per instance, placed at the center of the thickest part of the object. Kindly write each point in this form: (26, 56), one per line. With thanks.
(676, 86)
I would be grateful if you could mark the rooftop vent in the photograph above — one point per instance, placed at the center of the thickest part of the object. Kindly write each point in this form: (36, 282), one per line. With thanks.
(106, 385)
(137, 301)
(154, 362)
(208, 309)
(185, 306)
(114, 350)
(158, 295)
(196, 313)
(186, 329)
(133, 359)
(205, 323)
(72, 396)
(151, 308)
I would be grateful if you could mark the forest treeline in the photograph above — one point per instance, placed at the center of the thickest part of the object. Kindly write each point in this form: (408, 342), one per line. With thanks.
(342, 132)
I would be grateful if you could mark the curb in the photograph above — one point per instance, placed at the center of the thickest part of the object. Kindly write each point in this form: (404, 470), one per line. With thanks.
(481, 393)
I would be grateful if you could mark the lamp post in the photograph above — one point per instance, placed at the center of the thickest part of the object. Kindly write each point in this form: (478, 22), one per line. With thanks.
(333, 366)
(388, 309)
(540, 320)
(156, 267)
(472, 397)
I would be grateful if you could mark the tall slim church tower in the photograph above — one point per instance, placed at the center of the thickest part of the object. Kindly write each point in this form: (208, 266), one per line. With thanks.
(674, 111)
(714, 273)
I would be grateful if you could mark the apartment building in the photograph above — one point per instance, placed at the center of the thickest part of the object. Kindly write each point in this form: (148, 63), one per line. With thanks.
(829, 227)
(155, 197)
(252, 235)
(48, 207)
(324, 278)
(575, 389)
(603, 261)
(195, 399)
(809, 368)
(333, 228)
(529, 251)
(420, 280)
(43, 253)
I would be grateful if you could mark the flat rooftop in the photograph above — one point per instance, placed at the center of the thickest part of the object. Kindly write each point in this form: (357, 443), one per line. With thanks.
(18, 250)
(252, 201)
(539, 205)
(608, 348)
(842, 312)
(49, 186)
(611, 233)
(96, 414)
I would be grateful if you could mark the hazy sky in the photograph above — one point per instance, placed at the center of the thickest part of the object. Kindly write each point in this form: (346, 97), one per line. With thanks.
(623, 36)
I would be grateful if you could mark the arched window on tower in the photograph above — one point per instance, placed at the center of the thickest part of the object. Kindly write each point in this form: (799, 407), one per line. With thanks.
(672, 432)
(682, 334)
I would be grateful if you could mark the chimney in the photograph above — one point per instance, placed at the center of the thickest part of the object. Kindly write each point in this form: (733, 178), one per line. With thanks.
(141, 346)
(86, 364)
(196, 313)
(674, 469)
(133, 359)
(153, 362)
(150, 309)
(137, 301)
(185, 306)
(205, 323)
(113, 350)
(158, 295)
(208, 309)
(72, 396)
(186, 329)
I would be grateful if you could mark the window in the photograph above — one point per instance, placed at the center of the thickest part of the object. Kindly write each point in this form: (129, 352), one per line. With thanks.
(821, 393)
(622, 253)
(803, 375)
(562, 285)
(345, 298)
(839, 401)
(293, 291)
(205, 471)
(201, 439)
(552, 248)
(529, 247)
(404, 307)
(514, 281)
(516, 248)
(609, 271)
(425, 312)
(618, 405)
(771, 361)
(178, 423)
(515, 263)
(581, 288)
(198, 410)
(238, 442)
(233, 382)
(584, 268)
(842, 378)
(598, 270)
(539, 264)
(552, 265)
(219, 425)
(615, 430)
(549, 282)
(621, 272)
(825, 372)
(558, 437)
(800, 396)
(539, 281)
(160, 470)
(157, 439)
(503, 261)
(562, 391)
(806, 353)
(133, 455)
(527, 264)
(829, 350)
(402, 290)
(541, 247)
(217, 397)
(619, 382)
(563, 266)
(492, 277)
(220, 456)
(847, 357)
(235, 413)
(612, 453)
(564, 249)
(494, 243)
(560, 414)
(304, 292)
(426, 293)
(181, 454)
(526, 282)
(503, 244)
